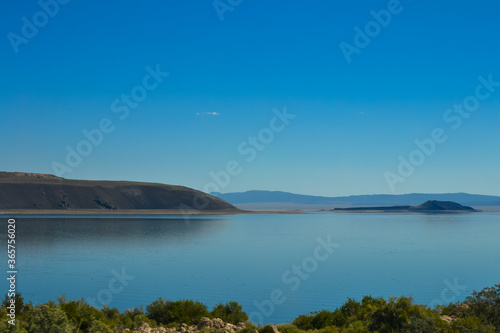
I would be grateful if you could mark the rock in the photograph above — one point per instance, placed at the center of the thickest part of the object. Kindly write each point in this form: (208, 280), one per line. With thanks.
(143, 328)
(275, 329)
(255, 331)
(230, 326)
(159, 330)
(241, 324)
(447, 319)
(184, 325)
(205, 323)
(217, 323)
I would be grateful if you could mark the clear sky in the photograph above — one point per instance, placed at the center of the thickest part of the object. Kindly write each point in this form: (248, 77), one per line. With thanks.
(365, 79)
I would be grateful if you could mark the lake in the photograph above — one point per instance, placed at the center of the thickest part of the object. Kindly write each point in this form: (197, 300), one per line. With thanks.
(277, 266)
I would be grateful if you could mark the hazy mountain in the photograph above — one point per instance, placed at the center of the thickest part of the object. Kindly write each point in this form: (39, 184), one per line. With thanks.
(285, 200)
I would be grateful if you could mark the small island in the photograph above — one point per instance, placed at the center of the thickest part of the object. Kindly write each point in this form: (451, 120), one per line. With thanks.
(430, 206)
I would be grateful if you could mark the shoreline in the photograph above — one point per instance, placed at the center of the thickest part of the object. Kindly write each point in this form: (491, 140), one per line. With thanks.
(160, 212)
(145, 212)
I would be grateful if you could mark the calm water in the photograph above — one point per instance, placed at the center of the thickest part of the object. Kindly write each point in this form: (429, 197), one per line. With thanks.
(249, 259)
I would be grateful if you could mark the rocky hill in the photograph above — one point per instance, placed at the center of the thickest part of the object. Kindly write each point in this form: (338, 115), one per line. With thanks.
(31, 191)
(434, 205)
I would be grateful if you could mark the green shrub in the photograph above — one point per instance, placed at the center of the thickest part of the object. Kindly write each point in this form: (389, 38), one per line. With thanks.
(160, 311)
(80, 314)
(230, 313)
(485, 305)
(183, 311)
(303, 322)
(421, 324)
(97, 326)
(347, 313)
(470, 325)
(21, 307)
(392, 317)
(6, 327)
(288, 328)
(445, 310)
(329, 329)
(323, 318)
(357, 326)
(47, 318)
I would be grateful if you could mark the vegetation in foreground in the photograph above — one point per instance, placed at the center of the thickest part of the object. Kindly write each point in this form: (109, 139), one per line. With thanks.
(479, 313)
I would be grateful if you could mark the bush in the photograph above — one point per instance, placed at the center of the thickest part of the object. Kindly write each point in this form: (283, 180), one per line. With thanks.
(21, 307)
(485, 305)
(98, 327)
(80, 313)
(288, 329)
(230, 313)
(128, 317)
(348, 312)
(392, 317)
(303, 322)
(445, 309)
(421, 324)
(329, 329)
(48, 318)
(159, 311)
(323, 318)
(184, 311)
(357, 326)
(373, 314)
(470, 325)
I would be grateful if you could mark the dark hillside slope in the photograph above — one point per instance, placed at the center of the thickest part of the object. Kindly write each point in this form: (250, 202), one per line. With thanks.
(40, 192)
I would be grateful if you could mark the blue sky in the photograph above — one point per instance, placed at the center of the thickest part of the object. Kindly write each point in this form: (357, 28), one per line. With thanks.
(353, 120)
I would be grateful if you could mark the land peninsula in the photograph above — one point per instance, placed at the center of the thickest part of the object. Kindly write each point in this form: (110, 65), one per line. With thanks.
(34, 193)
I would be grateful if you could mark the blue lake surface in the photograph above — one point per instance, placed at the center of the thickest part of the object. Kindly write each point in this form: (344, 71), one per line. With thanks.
(131, 261)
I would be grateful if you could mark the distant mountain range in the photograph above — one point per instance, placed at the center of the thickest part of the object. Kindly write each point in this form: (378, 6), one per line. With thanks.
(284, 200)
(37, 192)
